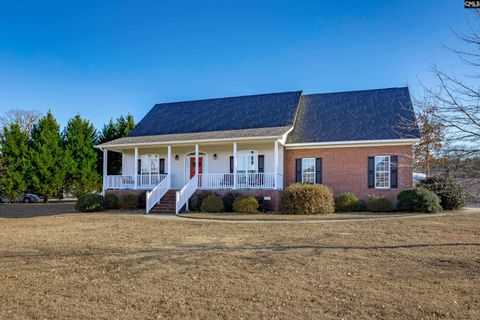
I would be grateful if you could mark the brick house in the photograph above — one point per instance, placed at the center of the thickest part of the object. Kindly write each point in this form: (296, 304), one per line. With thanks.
(349, 141)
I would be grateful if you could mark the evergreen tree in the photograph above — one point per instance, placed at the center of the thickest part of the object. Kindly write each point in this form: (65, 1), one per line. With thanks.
(50, 162)
(111, 131)
(80, 139)
(16, 161)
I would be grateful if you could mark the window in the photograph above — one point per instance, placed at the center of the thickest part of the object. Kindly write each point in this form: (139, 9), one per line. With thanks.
(150, 164)
(382, 172)
(308, 170)
(247, 161)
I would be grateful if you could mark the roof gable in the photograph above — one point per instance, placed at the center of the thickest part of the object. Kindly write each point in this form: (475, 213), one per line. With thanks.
(235, 113)
(353, 116)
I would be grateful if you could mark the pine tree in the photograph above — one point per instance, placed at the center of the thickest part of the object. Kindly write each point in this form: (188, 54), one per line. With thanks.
(50, 161)
(80, 139)
(111, 131)
(16, 161)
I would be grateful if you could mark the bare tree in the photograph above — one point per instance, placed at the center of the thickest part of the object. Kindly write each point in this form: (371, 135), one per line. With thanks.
(25, 118)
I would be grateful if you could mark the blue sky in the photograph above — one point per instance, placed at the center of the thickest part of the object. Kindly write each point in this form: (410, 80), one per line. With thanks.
(106, 58)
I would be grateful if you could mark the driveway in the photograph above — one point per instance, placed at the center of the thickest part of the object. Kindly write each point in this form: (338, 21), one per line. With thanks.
(28, 210)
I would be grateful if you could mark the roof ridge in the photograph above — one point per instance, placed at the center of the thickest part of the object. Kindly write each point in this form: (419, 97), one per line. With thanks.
(353, 91)
(231, 97)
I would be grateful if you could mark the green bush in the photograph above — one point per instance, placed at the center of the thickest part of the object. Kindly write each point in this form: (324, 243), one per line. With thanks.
(228, 199)
(452, 196)
(245, 204)
(195, 201)
(142, 200)
(212, 203)
(376, 203)
(111, 201)
(346, 201)
(418, 200)
(128, 202)
(90, 202)
(301, 198)
(360, 206)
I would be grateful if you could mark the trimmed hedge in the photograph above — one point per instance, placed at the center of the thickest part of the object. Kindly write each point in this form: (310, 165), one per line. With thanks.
(245, 204)
(228, 200)
(418, 200)
(452, 196)
(128, 201)
(213, 203)
(376, 203)
(111, 200)
(91, 202)
(142, 200)
(195, 201)
(301, 198)
(346, 201)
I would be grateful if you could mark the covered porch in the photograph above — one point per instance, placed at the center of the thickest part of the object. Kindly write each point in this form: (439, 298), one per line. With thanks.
(237, 165)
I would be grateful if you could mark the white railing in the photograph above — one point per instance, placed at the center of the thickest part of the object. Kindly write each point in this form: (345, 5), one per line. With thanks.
(187, 191)
(215, 181)
(150, 180)
(121, 182)
(154, 196)
(243, 181)
(128, 181)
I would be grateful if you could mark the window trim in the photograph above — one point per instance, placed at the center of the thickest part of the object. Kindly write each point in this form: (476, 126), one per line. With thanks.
(314, 170)
(148, 156)
(243, 156)
(388, 171)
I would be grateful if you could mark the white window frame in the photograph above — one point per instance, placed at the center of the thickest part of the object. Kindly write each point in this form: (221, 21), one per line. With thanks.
(244, 159)
(314, 170)
(387, 171)
(149, 158)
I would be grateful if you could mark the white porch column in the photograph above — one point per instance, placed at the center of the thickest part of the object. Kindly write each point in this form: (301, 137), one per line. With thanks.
(275, 163)
(136, 169)
(105, 161)
(196, 159)
(235, 165)
(169, 167)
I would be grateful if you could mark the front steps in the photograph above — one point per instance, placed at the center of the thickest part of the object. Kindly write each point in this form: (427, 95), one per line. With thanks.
(166, 204)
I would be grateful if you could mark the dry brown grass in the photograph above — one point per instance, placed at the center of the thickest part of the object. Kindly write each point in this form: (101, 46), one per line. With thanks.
(103, 266)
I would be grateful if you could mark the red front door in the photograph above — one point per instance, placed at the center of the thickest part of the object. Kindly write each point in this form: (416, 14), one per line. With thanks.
(192, 166)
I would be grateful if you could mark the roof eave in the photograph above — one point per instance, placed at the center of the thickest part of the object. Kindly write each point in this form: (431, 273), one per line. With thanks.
(355, 143)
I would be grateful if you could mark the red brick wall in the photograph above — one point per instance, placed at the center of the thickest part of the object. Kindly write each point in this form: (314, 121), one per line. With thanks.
(346, 169)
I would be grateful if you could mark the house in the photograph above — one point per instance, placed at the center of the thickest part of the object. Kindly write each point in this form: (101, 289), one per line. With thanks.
(258, 144)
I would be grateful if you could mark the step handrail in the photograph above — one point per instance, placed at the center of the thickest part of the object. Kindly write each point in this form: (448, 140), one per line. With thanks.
(154, 196)
(184, 195)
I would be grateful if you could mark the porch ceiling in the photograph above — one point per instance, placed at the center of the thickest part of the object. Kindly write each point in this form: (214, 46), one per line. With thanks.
(204, 137)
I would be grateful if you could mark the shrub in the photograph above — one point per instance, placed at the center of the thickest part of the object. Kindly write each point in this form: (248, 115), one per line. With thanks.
(111, 201)
(376, 203)
(228, 199)
(245, 204)
(418, 200)
(195, 201)
(360, 206)
(212, 203)
(90, 202)
(346, 201)
(142, 200)
(128, 201)
(301, 198)
(452, 196)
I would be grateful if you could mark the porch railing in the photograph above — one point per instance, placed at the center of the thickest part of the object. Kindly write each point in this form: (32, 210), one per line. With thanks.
(154, 196)
(184, 195)
(128, 181)
(243, 181)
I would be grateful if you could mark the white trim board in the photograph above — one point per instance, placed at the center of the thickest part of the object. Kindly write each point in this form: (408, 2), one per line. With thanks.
(346, 144)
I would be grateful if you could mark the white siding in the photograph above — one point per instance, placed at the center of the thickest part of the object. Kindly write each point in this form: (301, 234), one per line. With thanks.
(180, 167)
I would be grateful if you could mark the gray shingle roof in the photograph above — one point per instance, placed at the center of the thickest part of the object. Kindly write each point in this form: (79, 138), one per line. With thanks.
(235, 113)
(227, 134)
(352, 116)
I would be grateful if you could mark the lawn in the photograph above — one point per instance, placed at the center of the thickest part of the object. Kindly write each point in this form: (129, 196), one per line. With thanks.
(114, 266)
